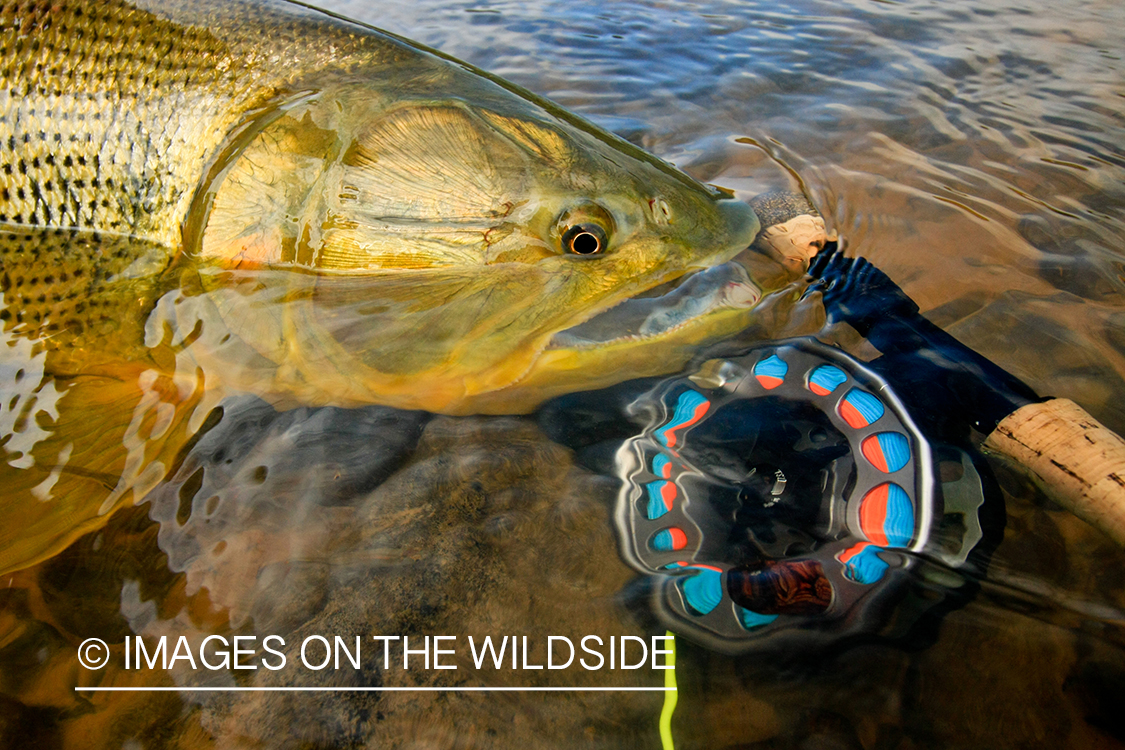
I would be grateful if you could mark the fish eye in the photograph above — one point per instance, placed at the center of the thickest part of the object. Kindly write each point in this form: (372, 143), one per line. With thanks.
(584, 239)
(584, 230)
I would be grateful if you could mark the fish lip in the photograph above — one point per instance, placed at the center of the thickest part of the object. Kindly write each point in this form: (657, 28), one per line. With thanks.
(640, 318)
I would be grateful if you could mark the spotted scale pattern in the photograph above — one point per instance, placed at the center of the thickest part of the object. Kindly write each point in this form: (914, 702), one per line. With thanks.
(111, 112)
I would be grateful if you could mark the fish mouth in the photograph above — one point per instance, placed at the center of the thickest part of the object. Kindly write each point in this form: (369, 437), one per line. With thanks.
(693, 296)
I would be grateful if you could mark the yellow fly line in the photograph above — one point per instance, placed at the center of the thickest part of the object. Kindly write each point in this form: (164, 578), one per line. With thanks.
(669, 697)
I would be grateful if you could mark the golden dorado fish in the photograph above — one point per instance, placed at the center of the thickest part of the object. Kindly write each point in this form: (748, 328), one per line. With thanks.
(209, 196)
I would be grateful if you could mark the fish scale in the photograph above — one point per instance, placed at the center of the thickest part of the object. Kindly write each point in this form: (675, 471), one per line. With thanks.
(112, 113)
(81, 96)
(65, 288)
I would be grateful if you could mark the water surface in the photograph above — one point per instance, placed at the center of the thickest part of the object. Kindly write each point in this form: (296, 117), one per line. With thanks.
(973, 153)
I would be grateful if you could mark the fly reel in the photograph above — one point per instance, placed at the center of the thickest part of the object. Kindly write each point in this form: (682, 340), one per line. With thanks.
(784, 495)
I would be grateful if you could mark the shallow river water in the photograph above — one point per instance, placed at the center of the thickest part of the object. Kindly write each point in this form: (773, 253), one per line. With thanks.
(972, 151)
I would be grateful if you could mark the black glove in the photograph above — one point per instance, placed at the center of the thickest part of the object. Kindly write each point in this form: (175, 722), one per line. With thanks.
(945, 385)
(857, 292)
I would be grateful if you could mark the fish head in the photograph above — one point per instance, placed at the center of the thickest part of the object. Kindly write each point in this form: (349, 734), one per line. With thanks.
(461, 253)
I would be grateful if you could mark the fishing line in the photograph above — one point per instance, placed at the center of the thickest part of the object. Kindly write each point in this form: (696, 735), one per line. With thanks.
(670, 696)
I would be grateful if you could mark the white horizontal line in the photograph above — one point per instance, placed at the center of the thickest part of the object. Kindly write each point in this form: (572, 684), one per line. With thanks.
(372, 689)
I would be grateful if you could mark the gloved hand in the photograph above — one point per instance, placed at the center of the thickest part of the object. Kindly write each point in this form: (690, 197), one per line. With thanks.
(857, 292)
(946, 385)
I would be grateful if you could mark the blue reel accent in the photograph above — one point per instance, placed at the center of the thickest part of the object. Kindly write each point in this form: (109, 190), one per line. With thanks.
(899, 526)
(686, 413)
(704, 590)
(751, 620)
(656, 507)
(772, 366)
(662, 542)
(895, 449)
(867, 566)
(869, 407)
(826, 378)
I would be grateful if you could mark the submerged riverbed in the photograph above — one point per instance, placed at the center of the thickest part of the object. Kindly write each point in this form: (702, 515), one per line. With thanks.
(971, 152)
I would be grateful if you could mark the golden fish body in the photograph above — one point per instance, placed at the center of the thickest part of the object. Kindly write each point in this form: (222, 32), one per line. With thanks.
(268, 137)
(199, 197)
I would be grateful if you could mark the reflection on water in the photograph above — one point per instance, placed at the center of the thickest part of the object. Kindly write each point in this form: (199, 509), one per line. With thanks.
(972, 153)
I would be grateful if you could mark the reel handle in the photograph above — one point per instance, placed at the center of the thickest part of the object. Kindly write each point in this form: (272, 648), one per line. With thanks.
(1080, 463)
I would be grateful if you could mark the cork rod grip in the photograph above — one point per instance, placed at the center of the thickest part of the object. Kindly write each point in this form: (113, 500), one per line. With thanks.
(1081, 462)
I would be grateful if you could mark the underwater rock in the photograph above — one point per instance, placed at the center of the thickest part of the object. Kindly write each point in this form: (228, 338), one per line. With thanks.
(484, 527)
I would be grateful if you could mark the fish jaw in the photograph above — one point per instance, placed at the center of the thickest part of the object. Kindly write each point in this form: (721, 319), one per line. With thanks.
(660, 342)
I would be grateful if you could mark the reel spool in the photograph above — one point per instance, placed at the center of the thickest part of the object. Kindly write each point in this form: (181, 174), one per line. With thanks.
(784, 495)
